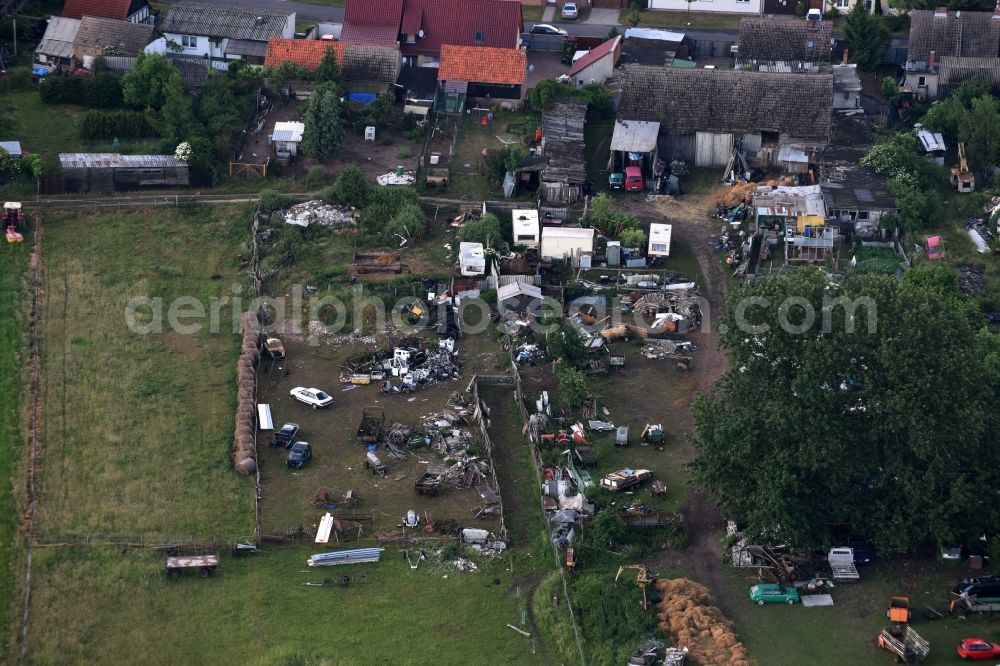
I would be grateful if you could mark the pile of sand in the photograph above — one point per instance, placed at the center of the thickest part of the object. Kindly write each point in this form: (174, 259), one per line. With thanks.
(687, 614)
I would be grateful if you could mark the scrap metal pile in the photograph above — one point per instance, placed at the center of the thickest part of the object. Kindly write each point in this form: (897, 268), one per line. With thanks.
(667, 349)
(446, 432)
(674, 309)
(408, 365)
(320, 213)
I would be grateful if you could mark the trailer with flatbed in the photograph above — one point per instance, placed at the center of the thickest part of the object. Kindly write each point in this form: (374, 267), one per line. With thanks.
(906, 644)
(204, 564)
(624, 479)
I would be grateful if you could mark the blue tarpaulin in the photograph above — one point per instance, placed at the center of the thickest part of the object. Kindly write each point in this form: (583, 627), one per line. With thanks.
(39, 71)
(363, 97)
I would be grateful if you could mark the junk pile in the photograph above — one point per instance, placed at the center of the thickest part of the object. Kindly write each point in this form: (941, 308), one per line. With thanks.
(409, 365)
(982, 236)
(245, 448)
(667, 349)
(378, 262)
(971, 280)
(397, 177)
(320, 213)
(686, 614)
(674, 309)
(732, 196)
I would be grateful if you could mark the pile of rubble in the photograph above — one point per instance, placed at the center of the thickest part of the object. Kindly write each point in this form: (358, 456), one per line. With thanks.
(676, 308)
(666, 349)
(971, 280)
(320, 213)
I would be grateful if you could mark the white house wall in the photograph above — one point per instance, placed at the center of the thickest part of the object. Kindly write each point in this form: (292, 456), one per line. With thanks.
(204, 47)
(596, 72)
(710, 6)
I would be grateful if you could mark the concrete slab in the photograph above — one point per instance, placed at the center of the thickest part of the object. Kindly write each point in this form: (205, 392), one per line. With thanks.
(600, 16)
(548, 15)
(542, 66)
(810, 600)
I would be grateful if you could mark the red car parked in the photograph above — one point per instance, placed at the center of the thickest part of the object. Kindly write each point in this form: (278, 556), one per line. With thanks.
(633, 179)
(976, 648)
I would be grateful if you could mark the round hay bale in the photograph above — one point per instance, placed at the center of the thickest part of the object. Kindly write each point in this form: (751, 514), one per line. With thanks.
(246, 466)
(244, 431)
(246, 374)
(245, 444)
(245, 394)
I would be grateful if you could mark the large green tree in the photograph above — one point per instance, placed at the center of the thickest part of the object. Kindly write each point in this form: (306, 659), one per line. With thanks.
(146, 85)
(883, 420)
(866, 36)
(328, 71)
(324, 127)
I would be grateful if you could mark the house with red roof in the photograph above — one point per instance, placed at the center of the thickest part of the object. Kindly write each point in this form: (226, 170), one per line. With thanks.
(480, 76)
(422, 27)
(133, 11)
(598, 64)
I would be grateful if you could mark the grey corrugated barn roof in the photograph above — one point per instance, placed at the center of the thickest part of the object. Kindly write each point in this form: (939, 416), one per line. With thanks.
(116, 161)
(59, 37)
(636, 136)
(785, 40)
(194, 71)
(956, 71)
(953, 34)
(722, 101)
(127, 39)
(247, 47)
(192, 18)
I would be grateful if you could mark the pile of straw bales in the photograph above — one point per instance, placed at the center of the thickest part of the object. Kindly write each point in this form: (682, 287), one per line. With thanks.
(244, 446)
(686, 613)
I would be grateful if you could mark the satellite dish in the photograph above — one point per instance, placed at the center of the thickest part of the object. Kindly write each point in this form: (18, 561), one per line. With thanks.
(420, 33)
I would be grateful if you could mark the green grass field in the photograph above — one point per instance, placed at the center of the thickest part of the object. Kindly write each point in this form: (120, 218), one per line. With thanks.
(137, 428)
(107, 606)
(13, 262)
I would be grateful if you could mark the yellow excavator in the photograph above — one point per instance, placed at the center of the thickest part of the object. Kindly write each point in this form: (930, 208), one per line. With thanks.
(962, 179)
(642, 579)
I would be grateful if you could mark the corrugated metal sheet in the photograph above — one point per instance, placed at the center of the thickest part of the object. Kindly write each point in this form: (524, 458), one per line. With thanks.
(59, 37)
(117, 161)
(247, 47)
(637, 136)
(12, 148)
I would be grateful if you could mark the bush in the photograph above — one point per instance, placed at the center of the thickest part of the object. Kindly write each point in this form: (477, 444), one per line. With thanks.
(384, 204)
(115, 124)
(351, 188)
(486, 230)
(271, 200)
(315, 177)
(103, 91)
(18, 79)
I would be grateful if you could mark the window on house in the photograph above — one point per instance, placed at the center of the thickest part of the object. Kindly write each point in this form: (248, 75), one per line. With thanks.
(189, 42)
(922, 81)
(659, 247)
(841, 4)
(809, 44)
(863, 215)
(477, 37)
(743, 2)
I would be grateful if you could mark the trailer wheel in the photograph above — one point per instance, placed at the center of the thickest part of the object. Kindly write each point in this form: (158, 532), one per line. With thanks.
(173, 574)
(206, 572)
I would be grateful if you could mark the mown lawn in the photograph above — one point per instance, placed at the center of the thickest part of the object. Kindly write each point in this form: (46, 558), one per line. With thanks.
(107, 606)
(137, 427)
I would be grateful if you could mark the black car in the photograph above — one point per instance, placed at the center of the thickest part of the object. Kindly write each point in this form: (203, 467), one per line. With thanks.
(979, 582)
(286, 436)
(864, 550)
(300, 454)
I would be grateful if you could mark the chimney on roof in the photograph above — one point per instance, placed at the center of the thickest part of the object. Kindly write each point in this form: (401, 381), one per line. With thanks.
(931, 60)
(259, 20)
(941, 12)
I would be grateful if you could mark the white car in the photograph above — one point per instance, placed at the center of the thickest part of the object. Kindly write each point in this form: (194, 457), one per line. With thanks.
(546, 29)
(569, 11)
(311, 396)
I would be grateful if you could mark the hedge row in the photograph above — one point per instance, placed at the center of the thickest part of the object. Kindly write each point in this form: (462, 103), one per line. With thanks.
(115, 124)
(103, 91)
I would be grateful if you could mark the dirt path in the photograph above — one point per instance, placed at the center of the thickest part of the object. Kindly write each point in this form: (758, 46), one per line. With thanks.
(703, 519)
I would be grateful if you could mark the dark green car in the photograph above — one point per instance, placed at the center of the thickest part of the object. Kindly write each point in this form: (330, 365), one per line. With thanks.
(616, 180)
(771, 593)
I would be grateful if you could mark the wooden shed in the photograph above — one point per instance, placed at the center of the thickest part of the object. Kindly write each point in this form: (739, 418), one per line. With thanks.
(104, 172)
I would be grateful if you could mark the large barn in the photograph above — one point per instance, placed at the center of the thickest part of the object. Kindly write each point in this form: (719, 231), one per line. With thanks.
(703, 112)
(105, 172)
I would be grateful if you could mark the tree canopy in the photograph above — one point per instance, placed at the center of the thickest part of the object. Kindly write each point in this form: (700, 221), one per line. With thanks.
(146, 85)
(324, 128)
(486, 230)
(888, 429)
(328, 71)
(971, 115)
(866, 35)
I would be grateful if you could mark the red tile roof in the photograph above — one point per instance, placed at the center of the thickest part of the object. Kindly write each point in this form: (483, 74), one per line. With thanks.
(596, 54)
(112, 9)
(305, 52)
(482, 64)
(372, 21)
(496, 23)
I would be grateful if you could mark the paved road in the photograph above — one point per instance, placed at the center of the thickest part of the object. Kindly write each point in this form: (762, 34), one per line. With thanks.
(308, 12)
